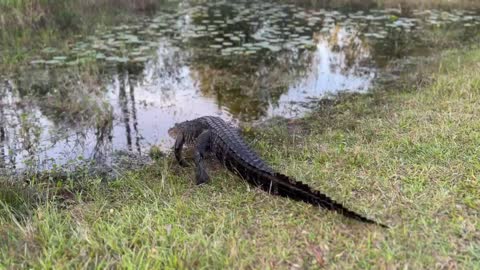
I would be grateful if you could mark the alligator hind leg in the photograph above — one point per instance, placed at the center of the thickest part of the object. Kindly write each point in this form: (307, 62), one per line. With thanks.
(178, 151)
(202, 146)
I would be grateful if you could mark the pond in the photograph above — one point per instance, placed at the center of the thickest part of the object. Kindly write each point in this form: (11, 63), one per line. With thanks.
(118, 91)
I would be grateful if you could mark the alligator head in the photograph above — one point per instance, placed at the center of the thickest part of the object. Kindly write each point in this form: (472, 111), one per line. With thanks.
(174, 131)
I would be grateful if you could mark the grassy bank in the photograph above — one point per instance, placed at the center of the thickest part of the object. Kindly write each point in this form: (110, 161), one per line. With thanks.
(67, 14)
(406, 158)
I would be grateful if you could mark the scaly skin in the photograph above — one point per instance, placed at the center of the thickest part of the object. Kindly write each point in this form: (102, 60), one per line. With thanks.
(212, 134)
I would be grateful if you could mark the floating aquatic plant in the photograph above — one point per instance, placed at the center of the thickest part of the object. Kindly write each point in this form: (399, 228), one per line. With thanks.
(245, 29)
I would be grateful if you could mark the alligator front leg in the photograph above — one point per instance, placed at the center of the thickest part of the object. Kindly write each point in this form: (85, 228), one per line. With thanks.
(178, 151)
(202, 146)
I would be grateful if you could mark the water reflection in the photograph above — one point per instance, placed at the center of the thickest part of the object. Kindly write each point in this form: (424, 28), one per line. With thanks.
(241, 61)
(339, 63)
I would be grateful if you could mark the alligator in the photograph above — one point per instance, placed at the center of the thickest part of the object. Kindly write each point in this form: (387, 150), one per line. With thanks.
(210, 134)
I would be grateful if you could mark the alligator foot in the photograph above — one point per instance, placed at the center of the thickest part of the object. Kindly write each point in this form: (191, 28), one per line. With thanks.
(202, 178)
(178, 151)
(183, 163)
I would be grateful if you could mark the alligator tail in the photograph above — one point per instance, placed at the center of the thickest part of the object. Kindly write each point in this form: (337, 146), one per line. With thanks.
(296, 190)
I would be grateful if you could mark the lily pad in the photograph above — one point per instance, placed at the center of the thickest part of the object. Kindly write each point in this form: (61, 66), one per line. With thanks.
(100, 56)
(37, 62)
(273, 48)
(60, 58)
(117, 59)
(216, 46)
(73, 63)
(374, 35)
(53, 62)
(49, 50)
(140, 59)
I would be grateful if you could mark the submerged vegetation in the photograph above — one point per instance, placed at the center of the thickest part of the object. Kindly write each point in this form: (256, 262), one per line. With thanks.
(407, 158)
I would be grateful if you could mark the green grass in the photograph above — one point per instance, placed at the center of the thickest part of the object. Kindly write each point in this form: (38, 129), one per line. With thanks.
(406, 158)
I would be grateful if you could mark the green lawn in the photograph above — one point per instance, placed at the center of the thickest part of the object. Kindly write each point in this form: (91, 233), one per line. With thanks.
(407, 158)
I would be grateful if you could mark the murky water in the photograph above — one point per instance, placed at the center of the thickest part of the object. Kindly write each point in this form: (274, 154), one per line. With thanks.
(242, 61)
